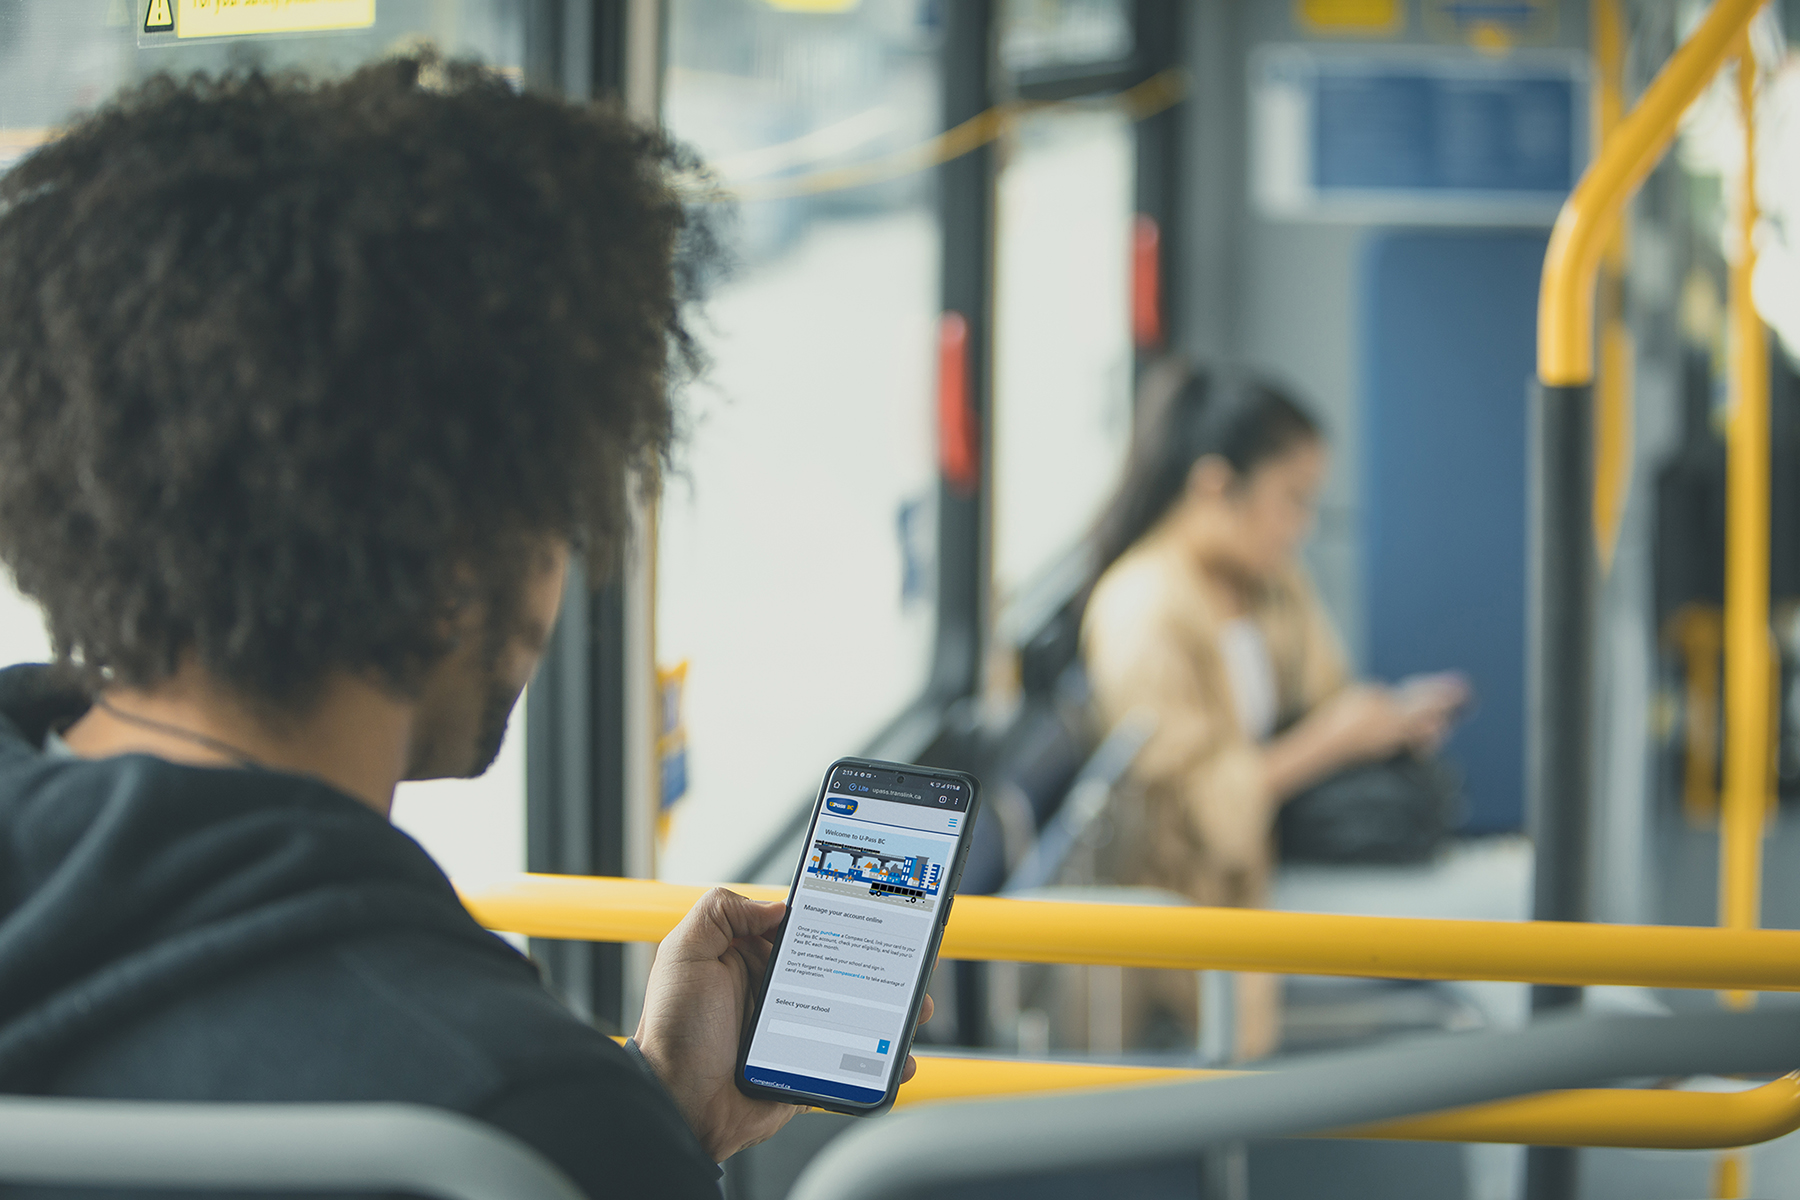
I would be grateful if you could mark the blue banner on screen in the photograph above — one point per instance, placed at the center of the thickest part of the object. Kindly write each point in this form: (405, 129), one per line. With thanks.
(787, 1081)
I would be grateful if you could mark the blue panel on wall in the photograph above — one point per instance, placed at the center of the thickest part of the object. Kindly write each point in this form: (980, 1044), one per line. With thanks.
(1408, 136)
(1388, 127)
(1447, 347)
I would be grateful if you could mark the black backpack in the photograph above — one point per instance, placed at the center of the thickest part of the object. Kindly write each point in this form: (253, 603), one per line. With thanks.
(1398, 811)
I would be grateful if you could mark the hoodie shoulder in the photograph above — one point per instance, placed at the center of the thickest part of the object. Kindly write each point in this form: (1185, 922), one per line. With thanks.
(34, 699)
(406, 1016)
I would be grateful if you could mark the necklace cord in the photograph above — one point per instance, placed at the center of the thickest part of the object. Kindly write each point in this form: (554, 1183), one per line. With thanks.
(200, 739)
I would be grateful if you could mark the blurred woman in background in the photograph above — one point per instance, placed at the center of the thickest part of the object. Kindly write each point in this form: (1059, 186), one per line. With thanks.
(1203, 615)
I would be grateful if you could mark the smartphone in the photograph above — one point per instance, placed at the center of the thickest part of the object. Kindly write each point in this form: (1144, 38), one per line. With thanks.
(835, 1011)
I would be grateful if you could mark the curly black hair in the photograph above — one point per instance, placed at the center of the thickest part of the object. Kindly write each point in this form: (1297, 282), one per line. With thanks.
(285, 364)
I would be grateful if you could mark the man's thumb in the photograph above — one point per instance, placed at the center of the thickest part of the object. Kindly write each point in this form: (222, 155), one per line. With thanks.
(737, 916)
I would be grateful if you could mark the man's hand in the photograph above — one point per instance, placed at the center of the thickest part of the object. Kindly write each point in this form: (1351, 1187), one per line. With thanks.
(695, 1008)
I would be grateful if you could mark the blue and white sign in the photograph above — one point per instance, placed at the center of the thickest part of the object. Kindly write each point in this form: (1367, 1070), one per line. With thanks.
(1420, 137)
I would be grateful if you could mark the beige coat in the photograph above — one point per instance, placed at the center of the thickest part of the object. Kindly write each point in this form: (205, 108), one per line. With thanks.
(1198, 817)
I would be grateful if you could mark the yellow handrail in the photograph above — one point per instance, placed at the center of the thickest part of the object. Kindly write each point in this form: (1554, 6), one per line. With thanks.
(1233, 939)
(1651, 1119)
(1566, 301)
(950, 1077)
(1161, 91)
(1633, 1117)
(986, 927)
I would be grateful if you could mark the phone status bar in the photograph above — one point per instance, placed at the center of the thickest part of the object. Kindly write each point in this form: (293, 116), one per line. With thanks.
(900, 787)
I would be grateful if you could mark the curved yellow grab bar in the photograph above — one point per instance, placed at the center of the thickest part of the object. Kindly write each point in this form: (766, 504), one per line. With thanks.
(1232, 939)
(1655, 1119)
(1651, 1118)
(1566, 302)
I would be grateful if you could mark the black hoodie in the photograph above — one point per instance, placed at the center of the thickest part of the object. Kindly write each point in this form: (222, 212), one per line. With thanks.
(188, 933)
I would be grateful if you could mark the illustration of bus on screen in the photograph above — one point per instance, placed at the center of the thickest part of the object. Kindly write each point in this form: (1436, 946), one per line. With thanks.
(904, 874)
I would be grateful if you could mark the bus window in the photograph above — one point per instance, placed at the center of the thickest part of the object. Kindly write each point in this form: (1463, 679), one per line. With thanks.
(474, 828)
(796, 539)
(1062, 338)
(23, 637)
(1038, 38)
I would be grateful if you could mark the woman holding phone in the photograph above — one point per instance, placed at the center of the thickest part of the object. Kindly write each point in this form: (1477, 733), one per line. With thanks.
(1203, 614)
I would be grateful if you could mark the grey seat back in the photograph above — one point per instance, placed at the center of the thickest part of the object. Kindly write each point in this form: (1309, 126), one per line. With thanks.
(920, 1149)
(386, 1148)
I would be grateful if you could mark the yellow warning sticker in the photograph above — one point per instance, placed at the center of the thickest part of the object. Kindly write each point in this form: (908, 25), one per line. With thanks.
(239, 18)
(1495, 28)
(158, 16)
(1365, 18)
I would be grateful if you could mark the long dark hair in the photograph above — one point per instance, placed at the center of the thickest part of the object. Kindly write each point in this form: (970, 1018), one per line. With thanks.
(1183, 416)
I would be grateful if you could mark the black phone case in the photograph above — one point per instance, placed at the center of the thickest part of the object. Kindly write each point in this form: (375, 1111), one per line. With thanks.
(830, 1103)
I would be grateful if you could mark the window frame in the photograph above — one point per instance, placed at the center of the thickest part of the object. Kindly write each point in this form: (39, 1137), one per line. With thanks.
(1040, 624)
(578, 727)
(578, 779)
(934, 726)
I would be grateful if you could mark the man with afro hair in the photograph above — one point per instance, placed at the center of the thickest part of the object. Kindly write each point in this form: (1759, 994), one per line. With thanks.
(308, 392)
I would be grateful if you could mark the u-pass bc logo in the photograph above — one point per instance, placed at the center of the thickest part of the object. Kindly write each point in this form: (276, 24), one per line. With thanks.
(842, 807)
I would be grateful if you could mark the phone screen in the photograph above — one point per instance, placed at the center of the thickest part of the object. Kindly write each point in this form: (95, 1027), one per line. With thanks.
(862, 920)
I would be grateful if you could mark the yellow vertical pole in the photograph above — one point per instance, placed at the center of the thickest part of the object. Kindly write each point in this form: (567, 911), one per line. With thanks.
(1612, 392)
(1748, 679)
(1699, 631)
(1745, 800)
(1729, 1175)
(1749, 700)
